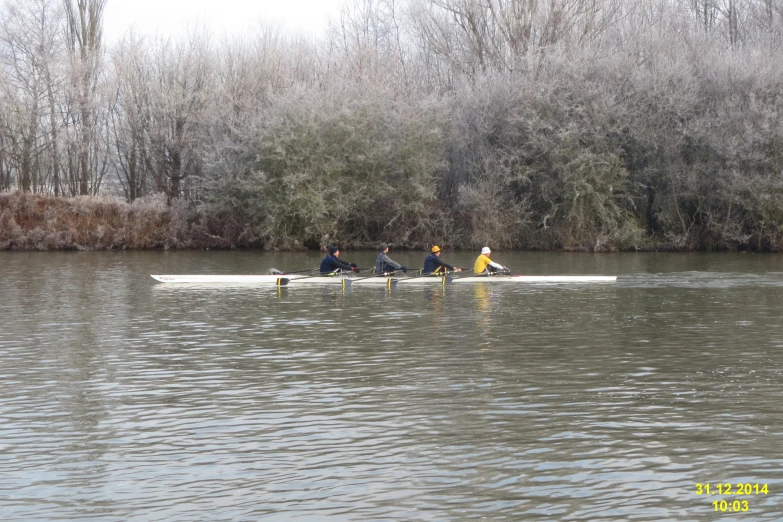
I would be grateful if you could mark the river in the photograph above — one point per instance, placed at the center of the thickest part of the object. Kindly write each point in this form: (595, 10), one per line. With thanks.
(125, 399)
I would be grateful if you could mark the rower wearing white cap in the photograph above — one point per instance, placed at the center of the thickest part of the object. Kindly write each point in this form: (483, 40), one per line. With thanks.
(485, 265)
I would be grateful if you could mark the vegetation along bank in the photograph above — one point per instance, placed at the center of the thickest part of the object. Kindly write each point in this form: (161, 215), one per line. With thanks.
(597, 126)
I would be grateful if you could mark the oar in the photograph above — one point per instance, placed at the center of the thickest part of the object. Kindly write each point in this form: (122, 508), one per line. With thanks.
(448, 277)
(445, 278)
(345, 282)
(505, 272)
(303, 271)
(391, 282)
(454, 273)
(457, 275)
(275, 271)
(283, 281)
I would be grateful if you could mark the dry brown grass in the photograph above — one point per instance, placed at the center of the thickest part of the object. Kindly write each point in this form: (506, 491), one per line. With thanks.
(38, 222)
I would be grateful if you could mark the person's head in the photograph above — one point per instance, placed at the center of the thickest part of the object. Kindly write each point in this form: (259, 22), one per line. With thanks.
(384, 247)
(334, 251)
(436, 250)
(486, 251)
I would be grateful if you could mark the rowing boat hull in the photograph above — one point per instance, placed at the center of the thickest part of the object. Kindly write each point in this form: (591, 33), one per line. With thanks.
(273, 280)
(228, 279)
(299, 280)
(536, 279)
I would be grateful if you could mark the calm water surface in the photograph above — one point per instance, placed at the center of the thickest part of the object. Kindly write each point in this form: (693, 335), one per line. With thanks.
(125, 399)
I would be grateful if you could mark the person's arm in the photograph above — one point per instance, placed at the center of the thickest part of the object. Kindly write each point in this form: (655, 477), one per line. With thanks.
(497, 265)
(330, 264)
(345, 265)
(444, 265)
(386, 259)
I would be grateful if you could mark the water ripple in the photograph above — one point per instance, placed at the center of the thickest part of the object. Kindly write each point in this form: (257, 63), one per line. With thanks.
(123, 401)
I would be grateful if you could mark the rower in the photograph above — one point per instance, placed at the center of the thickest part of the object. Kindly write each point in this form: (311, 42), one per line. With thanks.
(433, 264)
(484, 265)
(384, 264)
(332, 265)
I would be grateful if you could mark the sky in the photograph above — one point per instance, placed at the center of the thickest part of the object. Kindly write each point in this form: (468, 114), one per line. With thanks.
(172, 18)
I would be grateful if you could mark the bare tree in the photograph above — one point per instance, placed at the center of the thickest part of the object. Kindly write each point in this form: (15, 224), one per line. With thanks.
(367, 40)
(52, 49)
(483, 35)
(181, 81)
(729, 17)
(85, 28)
(706, 13)
(130, 117)
(28, 38)
(6, 133)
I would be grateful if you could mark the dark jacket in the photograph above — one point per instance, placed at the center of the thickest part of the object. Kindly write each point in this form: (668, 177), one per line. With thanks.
(331, 264)
(432, 262)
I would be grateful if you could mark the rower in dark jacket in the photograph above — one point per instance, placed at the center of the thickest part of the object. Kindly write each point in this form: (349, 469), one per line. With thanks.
(433, 264)
(331, 263)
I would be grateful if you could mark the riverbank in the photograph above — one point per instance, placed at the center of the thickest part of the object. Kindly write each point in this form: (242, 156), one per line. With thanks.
(38, 222)
(30, 222)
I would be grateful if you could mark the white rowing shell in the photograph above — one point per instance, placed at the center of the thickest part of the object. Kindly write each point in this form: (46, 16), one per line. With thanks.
(271, 279)
(242, 279)
(536, 279)
(295, 279)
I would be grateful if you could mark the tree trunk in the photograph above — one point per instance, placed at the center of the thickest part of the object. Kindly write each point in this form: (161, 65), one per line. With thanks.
(5, 178)
(55, 153)
(25, 168)
(84, 155)
(28, 143)
(85, 20)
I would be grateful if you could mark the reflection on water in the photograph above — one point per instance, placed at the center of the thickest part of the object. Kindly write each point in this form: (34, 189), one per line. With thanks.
(122, 399)
(483, 305)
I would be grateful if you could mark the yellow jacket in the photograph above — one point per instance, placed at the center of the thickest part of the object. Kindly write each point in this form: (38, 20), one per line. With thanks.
(481, 264)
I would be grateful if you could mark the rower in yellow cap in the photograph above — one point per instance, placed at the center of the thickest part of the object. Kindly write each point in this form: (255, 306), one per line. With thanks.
(433, 264)
(484, 265)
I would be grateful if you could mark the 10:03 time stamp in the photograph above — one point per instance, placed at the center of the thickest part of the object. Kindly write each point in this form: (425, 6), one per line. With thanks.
(726, 488)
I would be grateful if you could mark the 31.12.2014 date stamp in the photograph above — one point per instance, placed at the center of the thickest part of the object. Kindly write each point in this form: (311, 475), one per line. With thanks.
(726, 488)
